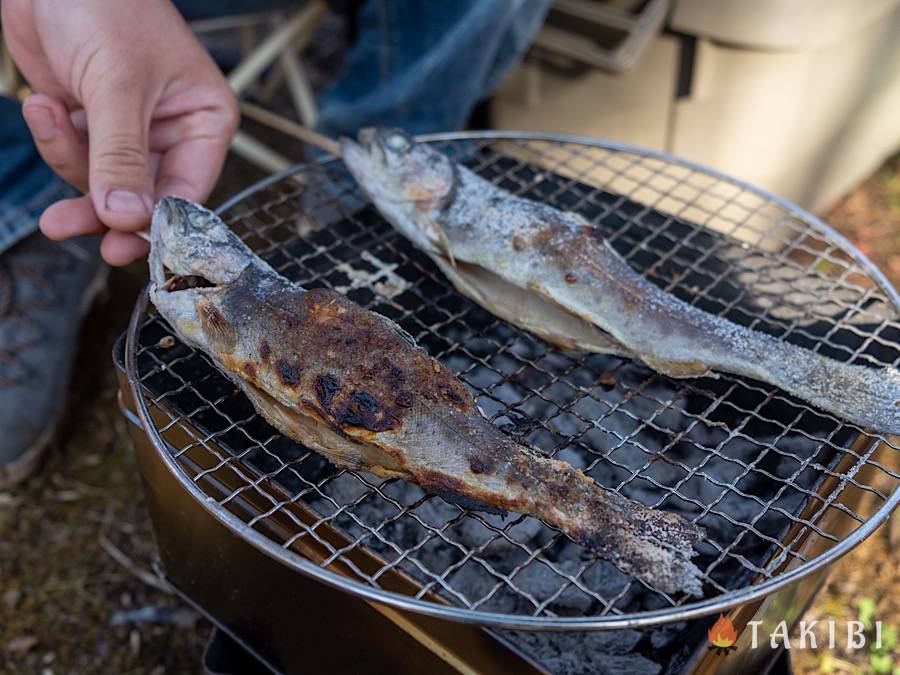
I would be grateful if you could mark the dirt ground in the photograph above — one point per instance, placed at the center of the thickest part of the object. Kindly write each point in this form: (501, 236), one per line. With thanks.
(76, 547)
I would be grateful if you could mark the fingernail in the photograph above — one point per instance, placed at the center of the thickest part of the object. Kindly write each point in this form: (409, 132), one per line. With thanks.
(40, 121)
(125, 201)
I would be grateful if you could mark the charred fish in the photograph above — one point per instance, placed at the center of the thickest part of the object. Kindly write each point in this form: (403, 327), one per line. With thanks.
(352, 385)
(551, 273)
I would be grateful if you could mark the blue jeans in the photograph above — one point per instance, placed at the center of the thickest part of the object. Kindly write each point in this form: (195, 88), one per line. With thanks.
(27, 185)
(421, 65)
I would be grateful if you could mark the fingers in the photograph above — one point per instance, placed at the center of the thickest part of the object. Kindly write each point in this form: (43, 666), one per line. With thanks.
(195, 146)
(121, 185)
(21, 38)
(71, 218)
(56, 138)
(121, 248)
(76, 217)
(191, 169)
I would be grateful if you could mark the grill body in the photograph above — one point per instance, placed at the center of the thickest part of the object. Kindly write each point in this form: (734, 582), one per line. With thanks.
(782, 488)
(293, 623)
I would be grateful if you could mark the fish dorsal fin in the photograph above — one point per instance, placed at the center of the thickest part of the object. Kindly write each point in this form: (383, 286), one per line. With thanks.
(394, 326)
(447, 251)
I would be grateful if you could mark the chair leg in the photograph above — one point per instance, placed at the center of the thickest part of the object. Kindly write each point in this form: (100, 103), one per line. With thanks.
(259, 153)
(299, 87)
(281, 45)
(297, 31)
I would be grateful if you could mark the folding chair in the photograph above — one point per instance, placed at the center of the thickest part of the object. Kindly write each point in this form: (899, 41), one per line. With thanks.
(281, 48)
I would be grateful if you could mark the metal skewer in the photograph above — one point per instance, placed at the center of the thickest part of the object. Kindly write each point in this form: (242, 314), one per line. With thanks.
(285, 126)
(290, 128)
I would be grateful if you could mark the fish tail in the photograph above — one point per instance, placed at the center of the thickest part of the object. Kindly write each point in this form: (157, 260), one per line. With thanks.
(868, 396)
(651, 545)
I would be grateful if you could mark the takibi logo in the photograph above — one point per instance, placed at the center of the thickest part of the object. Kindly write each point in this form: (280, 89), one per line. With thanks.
(722, 635)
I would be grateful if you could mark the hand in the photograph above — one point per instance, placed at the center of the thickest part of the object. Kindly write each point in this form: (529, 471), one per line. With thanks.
(128, 108)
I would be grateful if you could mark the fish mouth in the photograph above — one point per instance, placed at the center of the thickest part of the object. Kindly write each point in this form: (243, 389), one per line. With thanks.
(192, 249)
(184, 282)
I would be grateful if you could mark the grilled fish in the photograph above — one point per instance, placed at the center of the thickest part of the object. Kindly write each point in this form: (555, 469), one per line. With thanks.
(551, 272)
(352, 385)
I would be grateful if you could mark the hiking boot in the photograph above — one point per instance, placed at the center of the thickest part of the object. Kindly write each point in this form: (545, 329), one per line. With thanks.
(46, 288)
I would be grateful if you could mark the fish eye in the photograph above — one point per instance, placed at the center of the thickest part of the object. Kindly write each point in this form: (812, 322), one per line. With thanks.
(398, 143)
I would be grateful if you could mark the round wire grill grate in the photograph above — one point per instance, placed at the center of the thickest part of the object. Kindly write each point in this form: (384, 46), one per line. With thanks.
(781, 488)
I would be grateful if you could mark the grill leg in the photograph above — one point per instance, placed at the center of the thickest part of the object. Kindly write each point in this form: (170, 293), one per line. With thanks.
(224, 656)
(782, 665)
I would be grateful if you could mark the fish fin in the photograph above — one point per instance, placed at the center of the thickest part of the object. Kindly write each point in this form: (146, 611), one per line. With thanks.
(652, 545)
(447, 249)
(467, 503)
(676, 369)
(535, 312)
(397, 328)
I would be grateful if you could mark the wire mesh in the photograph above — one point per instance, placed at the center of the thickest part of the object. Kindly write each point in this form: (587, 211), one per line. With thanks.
(760, 470)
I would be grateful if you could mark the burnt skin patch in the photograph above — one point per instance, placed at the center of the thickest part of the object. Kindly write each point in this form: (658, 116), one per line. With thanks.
(360, 352)
(326, 387)
(439, 483)
(397, 375)
(288, 373)
(482, 465)
(571, 278)
(361, 409)
(519, 243)
(265, 352)
(449, 392)
(250, 370)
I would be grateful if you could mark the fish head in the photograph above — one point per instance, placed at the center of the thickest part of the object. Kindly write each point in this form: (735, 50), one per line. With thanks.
(405, 179)
(194, 257)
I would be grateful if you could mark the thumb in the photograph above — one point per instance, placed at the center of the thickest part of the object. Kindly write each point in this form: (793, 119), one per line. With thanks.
(120, 180)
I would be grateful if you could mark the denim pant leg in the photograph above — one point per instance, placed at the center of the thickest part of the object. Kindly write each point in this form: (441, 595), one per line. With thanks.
(27, 185)
(423, 66)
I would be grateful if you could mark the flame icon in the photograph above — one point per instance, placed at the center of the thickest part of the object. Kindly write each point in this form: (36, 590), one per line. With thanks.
(722, 635)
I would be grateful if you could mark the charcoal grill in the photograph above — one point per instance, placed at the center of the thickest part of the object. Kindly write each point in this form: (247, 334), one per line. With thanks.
(253, 527)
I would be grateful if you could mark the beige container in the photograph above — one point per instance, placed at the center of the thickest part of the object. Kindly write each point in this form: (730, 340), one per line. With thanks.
(807, 119)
